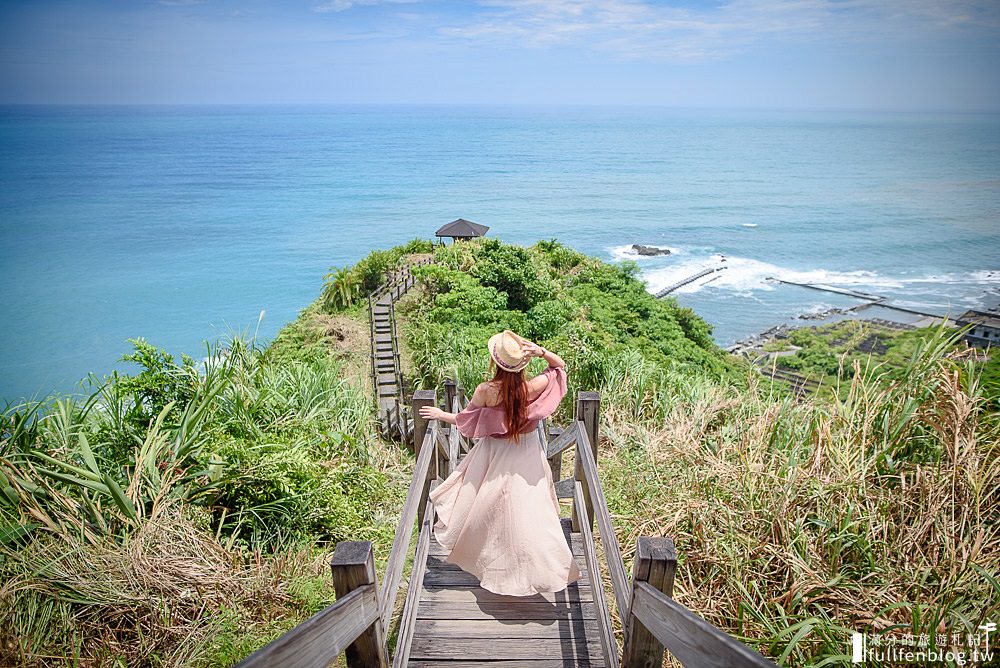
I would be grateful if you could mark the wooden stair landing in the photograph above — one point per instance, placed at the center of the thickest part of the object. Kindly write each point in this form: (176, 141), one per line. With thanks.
(460, 624)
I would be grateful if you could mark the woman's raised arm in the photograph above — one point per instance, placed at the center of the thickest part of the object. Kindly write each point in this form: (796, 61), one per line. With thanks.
(537, 351)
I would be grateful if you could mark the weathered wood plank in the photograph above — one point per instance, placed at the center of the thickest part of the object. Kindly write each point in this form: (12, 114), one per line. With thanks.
(520, 610)
(420, 398)
(564, 488)
(407, 624)
(612, 552)
(587, 418)
(509, 648)
(439, 550)
(695, 642)
(401, 542)
(454, 436)
(555, 460)
(319, 640)
(582, 662)
(655, 563)
(477, 594)
(608, 644)
(561, 442)
(352, 567)
(455, 577)
(442, 465)
(495, 628)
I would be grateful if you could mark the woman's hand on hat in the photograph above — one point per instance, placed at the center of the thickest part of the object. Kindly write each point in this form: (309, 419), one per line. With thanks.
(532, 349)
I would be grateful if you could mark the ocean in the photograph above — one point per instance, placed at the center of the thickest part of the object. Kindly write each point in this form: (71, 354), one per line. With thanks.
(182, 224)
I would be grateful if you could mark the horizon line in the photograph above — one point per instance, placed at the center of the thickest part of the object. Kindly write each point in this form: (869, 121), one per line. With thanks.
(495, 105)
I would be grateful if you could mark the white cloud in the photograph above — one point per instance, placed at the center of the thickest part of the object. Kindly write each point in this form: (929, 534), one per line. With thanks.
(344, 5)
(635, 29)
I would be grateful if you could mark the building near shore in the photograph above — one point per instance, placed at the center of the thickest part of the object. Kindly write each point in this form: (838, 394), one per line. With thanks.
(985, 327)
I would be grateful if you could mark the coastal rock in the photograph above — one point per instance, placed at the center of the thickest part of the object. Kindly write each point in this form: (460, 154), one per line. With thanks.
(650, 250)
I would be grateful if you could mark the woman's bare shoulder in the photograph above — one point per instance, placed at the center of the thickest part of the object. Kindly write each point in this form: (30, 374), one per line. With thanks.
(485, 394)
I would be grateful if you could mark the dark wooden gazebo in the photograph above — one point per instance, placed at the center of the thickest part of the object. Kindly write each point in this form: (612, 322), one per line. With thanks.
(460, 229)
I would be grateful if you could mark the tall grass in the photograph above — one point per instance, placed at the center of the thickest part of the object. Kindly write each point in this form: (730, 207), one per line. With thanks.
(165, 518)
(797, 522)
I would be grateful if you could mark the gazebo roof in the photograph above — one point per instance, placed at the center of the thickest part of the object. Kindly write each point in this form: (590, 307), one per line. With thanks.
(461, 228)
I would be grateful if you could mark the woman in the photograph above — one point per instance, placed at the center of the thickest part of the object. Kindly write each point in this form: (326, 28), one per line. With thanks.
(498, 514)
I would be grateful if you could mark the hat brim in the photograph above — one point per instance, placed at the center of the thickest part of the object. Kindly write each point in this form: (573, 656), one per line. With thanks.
(490, 345)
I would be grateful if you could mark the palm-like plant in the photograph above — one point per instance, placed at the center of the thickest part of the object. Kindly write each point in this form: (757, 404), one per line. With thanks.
(341, 287)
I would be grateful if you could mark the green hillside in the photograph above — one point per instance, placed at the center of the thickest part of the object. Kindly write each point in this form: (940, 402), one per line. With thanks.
(182, 515)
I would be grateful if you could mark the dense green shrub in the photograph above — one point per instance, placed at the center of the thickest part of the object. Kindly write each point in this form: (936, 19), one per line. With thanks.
(560, 257)
(343, 286)
(511, 270)
(576, 305)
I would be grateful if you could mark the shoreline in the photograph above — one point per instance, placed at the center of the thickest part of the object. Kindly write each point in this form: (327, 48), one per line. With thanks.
(917, 320)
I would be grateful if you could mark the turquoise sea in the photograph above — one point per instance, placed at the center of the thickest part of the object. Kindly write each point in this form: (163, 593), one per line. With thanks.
(181, 224)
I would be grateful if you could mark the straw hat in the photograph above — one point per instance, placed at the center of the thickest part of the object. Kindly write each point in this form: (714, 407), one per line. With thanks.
(505, 349)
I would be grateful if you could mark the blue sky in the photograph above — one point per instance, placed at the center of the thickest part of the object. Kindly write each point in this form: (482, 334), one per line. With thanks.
(787, 54)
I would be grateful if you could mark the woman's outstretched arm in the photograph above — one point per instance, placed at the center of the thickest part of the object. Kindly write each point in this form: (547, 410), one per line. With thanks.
(435, 413)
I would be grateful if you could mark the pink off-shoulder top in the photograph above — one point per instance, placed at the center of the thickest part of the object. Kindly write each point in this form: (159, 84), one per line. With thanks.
(478, 421)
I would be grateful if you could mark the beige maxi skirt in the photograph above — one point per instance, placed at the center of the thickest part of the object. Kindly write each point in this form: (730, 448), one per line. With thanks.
(498, 516)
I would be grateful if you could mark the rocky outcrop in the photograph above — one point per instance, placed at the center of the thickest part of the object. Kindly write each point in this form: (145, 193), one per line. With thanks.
(649, 250)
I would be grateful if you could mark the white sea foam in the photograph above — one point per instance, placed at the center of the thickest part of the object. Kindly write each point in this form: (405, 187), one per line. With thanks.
(625, 252)
(816, 309)
(744, 275)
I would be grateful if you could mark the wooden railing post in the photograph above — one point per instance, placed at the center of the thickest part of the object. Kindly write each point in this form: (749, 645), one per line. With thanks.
(353, 565)
(449, 394)
(449, 404)
(588, 405)
(655, 563)
(556, 462)
(422, 398)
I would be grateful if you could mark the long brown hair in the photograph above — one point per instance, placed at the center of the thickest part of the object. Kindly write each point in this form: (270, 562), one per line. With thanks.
(513, 394)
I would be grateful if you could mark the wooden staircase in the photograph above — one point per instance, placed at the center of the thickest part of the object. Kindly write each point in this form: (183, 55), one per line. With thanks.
(386, 372)
(459, 623)
(448, 620)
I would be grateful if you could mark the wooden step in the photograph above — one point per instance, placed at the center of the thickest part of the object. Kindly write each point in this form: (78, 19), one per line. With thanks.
(511, 649)
(582, 662)
(494, 628)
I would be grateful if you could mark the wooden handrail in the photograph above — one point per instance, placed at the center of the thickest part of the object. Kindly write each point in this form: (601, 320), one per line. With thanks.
(563, 441)
(612, 551)
(442, 461)
(319, 640)
(695, 642)
(652, 621)
(458, 443)
(401, 542)
(594, 571)
(407, 624)
(350, 625)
